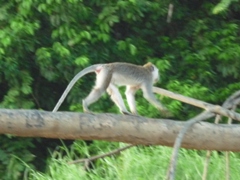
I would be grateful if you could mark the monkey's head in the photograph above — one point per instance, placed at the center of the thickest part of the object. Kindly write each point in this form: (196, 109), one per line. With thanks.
(155, 74)
(154, 70)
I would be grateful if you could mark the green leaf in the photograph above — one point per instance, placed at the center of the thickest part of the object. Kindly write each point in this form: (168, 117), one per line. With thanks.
(42, 7)
(60, 49)
(86, 34)
(122, 45)
(2, 52)
(6, 41)
(82, 60)
(133, 49)
(222, 6)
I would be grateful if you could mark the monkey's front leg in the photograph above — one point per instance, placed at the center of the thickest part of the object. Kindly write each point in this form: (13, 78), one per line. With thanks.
(148, 95)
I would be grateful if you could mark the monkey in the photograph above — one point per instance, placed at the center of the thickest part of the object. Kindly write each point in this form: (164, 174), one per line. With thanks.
(110, 76)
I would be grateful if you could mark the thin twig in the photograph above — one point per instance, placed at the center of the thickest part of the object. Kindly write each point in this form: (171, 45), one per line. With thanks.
(205, 170)
(101, 156)
(227, 166)
(208, 155)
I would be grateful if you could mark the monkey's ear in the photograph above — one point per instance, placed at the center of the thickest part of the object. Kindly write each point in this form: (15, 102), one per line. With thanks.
(149, 65)
(152, 67)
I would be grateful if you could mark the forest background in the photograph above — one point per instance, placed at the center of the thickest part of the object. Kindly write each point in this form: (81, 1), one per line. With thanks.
(44, 43)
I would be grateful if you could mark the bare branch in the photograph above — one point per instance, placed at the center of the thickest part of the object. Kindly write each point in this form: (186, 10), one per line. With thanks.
(230, 102)
(207, 106)
(170, 12)
(177, 144)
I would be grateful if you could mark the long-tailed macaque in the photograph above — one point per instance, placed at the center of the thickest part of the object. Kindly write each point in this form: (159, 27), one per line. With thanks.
(111, 75)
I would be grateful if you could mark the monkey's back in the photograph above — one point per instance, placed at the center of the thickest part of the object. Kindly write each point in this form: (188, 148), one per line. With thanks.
(129, 74)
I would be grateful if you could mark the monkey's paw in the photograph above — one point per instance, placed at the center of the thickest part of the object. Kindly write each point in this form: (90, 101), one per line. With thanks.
(126, 113)
(129, 114)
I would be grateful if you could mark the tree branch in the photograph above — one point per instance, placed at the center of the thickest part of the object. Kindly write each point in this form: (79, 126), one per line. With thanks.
(121, 128)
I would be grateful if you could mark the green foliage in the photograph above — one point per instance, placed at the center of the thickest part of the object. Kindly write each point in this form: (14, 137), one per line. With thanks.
(13, 151)
(44, 45)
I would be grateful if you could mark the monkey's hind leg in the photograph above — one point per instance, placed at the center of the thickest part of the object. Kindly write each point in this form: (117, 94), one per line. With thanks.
(116, 97)
(85, 107)
(130, 94)
(103, 79)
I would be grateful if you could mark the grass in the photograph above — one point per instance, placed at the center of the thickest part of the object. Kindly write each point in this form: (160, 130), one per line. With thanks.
(138, 163)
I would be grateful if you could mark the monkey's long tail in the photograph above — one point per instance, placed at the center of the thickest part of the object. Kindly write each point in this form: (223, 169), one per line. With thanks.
(73, 81)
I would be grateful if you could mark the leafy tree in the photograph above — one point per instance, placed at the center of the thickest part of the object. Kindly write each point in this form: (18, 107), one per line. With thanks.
(44, 43)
